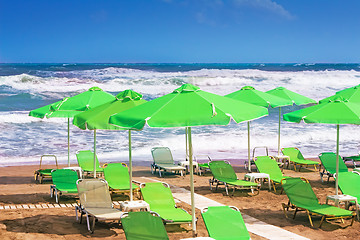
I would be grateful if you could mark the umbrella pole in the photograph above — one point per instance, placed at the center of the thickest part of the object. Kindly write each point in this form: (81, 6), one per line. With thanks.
(94, 153)
(191, 168)
(130, 167)
(186, 143)
(337, 160)
(279, 131)
(249, 163)
(68, 142)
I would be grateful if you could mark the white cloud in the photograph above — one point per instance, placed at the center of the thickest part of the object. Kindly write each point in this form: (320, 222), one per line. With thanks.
(267, 5)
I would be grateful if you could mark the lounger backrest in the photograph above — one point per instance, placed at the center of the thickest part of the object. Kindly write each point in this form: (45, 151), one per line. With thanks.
(157, 195)
(349, 183)
(162, 155)
(115, 173)
(143, 225)
(223, 222)
(64, 178)
(222, 170)
(86, 160)
(267, 165)
(94, 193)
(293, 153)
(299, 192)
(328, 160)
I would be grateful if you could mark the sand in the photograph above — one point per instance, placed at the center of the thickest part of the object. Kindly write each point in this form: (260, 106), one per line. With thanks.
(17, 186)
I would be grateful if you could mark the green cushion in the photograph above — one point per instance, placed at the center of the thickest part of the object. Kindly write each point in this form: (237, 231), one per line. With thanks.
(46, 172)
(161, 201)
(349, 183)
(65, 180)
(301, 195)
(267, 165)
(143, 226)
(86, 161)
(224, 223)
(328, 160)
(296, 156)
(118, 177)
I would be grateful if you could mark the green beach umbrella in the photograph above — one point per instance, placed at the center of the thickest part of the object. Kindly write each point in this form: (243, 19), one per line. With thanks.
(98, 118)
(70, 106)
(188, 106)
(351, 94)
(294, 97)
(251, 95)
(337, 111)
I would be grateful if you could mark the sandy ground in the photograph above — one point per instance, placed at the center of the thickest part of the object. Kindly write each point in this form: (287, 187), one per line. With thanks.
(17, 186)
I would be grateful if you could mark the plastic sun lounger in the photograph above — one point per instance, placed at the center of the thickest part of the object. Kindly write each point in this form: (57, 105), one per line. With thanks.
(224, 173)
(86, 162)
(302, 198)
(41, 173)
(328, 161)
(95, 201)
(297, 158)
(266, 164)
(64, 181)
(349, 184)
(203, 167)
(117, 176)
(163, 160)
(143, 225)
(224, 222)
(353, 159)
(158, 195)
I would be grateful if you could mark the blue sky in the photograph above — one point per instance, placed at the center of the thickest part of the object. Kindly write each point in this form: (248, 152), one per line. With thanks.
(150, 31)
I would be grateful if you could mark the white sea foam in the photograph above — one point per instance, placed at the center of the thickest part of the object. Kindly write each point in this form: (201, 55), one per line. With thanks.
(25, 138)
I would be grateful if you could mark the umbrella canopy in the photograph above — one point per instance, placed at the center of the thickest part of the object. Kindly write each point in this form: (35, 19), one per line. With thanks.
(352, 94)
(185, 107)
(337, 111)
(251, 95)
(70, 106)
(98, 118)
(293, 97)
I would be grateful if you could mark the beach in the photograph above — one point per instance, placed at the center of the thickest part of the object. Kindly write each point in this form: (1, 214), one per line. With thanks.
(17, 186)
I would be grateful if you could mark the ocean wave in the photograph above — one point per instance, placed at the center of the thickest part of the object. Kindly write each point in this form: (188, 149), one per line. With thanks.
(316, 84)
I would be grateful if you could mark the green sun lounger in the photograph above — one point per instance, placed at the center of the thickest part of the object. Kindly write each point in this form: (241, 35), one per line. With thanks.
(328, 161)
(297, 158)
(95, 202)
(349, 184)
(163, 160)
(224, 223)
(266, 164)
(353, 159)
(161, 201)
(64, 181)
(302, 198)
(42, 173)
(117, 176)
(86, 162)
(224, 173)
(143, 226)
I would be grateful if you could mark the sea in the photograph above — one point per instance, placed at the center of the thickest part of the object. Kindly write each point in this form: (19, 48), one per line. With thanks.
(24, 87)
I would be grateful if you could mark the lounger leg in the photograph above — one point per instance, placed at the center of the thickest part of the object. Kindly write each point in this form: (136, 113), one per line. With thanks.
(210, 183)
(226, 189)
(93, 224)
(321, 177)
(322, 220)
(315, 167)
(311, 223)
(296, 210)
(273, 186)
(159, 172)
(88, 222)
(56, 196)
(284, 206)
(352, 220)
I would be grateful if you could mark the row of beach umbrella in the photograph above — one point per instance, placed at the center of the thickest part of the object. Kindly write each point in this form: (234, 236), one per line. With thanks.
(187, 106)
